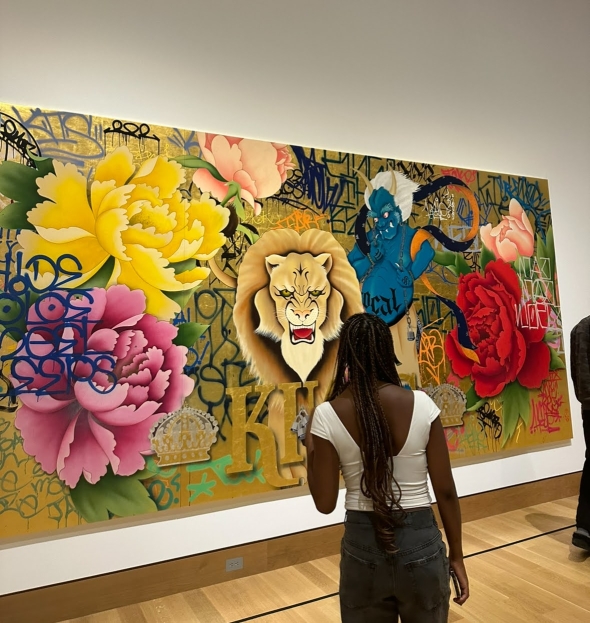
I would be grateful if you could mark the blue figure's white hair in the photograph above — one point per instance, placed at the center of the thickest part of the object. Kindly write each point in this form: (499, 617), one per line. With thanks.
(401, 188)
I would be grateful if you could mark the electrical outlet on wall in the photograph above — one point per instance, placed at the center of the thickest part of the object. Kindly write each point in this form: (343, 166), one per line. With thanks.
(234, 564)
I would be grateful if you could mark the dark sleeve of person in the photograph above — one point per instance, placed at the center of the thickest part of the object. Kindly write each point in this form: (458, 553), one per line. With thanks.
(580, 361)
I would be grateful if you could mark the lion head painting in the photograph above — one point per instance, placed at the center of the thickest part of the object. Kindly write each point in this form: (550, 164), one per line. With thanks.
(293, 294)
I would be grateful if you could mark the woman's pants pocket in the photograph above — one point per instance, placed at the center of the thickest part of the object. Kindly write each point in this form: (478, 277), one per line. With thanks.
(430, 578)
(357, 579)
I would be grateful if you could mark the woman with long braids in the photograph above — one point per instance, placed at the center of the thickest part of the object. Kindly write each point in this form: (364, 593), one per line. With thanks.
(386, 440)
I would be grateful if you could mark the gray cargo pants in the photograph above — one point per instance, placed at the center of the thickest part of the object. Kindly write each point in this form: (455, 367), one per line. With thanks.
(413, 584)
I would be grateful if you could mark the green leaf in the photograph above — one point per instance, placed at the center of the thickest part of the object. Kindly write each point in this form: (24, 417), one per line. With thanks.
(516, 405)
(461, 265)
(19, 182)
(181, 267)
(444, 258)
(101, 278)
(556, 361)
(485, 257)
(43, 165)
(182, 297)
(453, 269)
(121, 496)
(189, 333)
(252, 237)
(194, 162)
(239, 207)
(550, 250)
(474, 402)
(14, 216)
(551, 336)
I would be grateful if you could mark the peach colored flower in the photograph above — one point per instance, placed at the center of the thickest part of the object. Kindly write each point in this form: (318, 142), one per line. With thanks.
(512, 237)
(260, 168)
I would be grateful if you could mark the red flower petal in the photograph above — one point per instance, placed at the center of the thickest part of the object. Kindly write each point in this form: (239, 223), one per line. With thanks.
(459, 362)
(536, 366)
(504, 274)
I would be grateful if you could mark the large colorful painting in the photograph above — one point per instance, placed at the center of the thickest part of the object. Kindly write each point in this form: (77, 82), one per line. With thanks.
(172, 300)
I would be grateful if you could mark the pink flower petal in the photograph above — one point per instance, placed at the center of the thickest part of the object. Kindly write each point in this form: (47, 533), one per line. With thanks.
(66, 442)
(85, 456)
(181, 385)
(247, 183)
(259, 160)
(208, 184)
(45, 403)
(132, 443)
(123, 344)
(227, 157)
(106, 441)
(157, 333)
(136, 395)
(94, 400)
(154, 361)
(486, 237)
(103, 340)
(159, 385)
(507, 250)
(143, 378)
(134, 342)
(128, 415)
(122, 304)
(43, 433)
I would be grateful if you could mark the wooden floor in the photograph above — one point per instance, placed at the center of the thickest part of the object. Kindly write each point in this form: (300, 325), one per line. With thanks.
(521, 565)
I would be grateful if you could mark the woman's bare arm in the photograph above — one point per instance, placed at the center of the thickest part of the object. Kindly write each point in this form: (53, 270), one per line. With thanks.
(323, 471)
(441, 476)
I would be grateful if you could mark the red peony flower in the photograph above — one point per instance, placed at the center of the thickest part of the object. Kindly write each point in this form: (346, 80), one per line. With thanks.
(506, 352)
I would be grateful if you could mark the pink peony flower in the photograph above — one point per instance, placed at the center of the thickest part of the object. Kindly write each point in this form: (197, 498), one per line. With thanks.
(259, 167)
(94, 374)
(512, 237)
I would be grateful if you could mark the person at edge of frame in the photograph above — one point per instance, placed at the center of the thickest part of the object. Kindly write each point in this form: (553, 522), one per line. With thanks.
(580, 366)
(385, 439)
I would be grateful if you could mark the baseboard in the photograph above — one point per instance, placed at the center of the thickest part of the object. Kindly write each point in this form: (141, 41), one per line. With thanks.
(70, 600)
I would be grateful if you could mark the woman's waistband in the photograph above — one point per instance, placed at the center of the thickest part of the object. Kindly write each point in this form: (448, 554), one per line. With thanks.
(416, 518)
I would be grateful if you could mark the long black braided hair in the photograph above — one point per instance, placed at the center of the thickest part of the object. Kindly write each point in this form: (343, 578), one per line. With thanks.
(366, 360)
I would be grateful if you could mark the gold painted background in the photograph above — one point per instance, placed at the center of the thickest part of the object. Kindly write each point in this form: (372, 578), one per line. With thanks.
(322, 190)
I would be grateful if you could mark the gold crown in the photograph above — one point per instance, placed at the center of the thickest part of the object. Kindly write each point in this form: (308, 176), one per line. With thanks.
(451, 401)
(185, 436)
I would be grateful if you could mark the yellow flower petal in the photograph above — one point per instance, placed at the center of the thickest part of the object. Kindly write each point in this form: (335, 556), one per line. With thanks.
(178, 206)
(157, 303)
(148, 237)
(110, 226)
(68, 202)
(184, 244)
(98, 191)
(214, 219)
(141, 192)
(193, 276)
(116, 198)
(153, 268)
(87, 250)
(66, 234)
(117, 166)
(181, 249)
(147, 215)
(160, 173)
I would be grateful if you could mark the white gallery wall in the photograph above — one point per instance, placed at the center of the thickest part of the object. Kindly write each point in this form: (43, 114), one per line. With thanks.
(496, 85)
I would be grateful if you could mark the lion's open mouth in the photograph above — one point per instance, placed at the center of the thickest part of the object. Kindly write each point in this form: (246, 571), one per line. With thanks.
(302, 334)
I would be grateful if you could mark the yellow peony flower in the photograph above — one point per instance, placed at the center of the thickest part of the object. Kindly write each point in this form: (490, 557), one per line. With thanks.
(138, 217)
